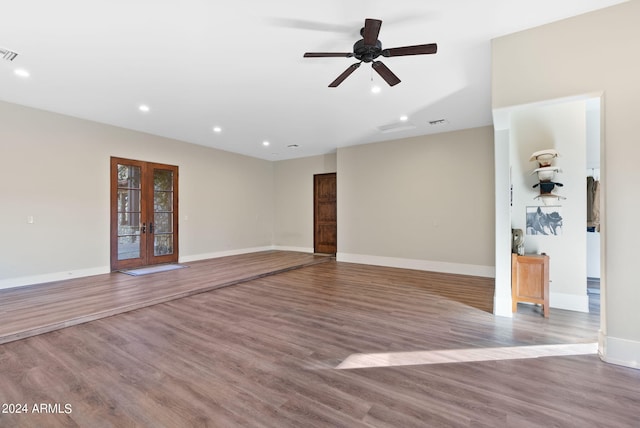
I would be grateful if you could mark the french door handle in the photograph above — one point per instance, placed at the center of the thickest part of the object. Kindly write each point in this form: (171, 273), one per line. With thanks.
(150, 227)
(144, 228)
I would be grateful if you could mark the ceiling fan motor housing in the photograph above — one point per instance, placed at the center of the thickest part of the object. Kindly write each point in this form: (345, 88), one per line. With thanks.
(367, 53)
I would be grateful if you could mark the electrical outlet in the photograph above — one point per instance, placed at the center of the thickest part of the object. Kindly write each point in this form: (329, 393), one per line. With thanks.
(30, 219)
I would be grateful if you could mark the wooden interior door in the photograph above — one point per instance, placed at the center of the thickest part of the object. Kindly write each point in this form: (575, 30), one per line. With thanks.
(144, 213)
(325, 237)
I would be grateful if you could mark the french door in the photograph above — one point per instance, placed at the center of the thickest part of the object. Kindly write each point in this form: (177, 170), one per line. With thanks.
(144, 213)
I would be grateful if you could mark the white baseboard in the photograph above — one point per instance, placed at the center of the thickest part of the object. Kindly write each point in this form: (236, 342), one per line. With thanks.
(51, 277)
(217, 254)
(80, 273)
(502, 306)
(570, 302)
(426, 265)
(296, 249)
(622, 352)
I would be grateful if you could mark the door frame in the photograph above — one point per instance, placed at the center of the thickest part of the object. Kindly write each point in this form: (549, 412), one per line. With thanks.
(147, 256)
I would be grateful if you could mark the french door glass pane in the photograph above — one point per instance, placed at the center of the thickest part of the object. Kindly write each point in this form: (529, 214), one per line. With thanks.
(128, 224)
(128, 211)
(162, 179)
(128, 200)
(163, 245)
(129, 176)
(163, 212)
(163, 201)
(128, 247)
(163, 223)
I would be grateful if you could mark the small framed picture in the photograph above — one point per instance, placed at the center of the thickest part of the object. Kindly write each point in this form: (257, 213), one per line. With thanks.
(544, 220)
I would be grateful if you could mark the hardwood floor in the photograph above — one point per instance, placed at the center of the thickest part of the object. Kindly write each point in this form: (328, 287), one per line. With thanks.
(264, 353)
(27, 311)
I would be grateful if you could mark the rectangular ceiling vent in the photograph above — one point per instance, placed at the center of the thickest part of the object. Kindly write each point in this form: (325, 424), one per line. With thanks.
(394, 127)
(7, 54)
(438, 122)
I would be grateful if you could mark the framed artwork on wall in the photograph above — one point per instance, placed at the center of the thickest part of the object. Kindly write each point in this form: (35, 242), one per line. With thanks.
(544, 220)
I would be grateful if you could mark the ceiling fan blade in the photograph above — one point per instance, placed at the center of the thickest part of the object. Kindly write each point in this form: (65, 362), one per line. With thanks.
(431, 48)
(344, 75)
(328, 54)
(385, 73)
(370, 31)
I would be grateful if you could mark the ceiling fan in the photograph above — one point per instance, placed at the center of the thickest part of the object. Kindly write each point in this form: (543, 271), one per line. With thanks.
(368, 49)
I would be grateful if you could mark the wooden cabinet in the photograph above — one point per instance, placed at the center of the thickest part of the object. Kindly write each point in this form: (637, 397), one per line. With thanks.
(530, 280)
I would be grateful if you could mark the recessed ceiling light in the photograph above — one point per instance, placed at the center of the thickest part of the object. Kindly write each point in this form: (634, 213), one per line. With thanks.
(21, 72)
(404, 118)
(144, 108)
(265, 143)
(376, 89)
(217, 129)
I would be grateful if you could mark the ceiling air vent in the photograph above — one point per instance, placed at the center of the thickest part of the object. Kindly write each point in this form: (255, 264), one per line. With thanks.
(8, 55)
(398, 126)
(438, 122)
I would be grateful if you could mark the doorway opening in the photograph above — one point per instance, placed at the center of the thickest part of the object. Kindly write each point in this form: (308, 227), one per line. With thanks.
(508, 212)
(144, 213)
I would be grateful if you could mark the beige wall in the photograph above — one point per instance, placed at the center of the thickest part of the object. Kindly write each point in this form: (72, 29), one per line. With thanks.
(293, 183)
(587, 54)
(423, 202)
(56, 169)
(432, 194)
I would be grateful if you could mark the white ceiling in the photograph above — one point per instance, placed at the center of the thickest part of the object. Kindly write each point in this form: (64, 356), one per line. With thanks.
(238, 64)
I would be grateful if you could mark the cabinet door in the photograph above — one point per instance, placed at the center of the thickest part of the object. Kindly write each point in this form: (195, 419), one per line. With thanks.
(530, 273)
(530, 280)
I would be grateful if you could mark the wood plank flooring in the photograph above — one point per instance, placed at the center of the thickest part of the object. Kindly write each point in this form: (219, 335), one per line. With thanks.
(264, 353)
(27, 311)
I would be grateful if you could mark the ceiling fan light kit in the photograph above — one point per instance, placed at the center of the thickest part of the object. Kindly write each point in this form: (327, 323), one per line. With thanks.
(368, 49)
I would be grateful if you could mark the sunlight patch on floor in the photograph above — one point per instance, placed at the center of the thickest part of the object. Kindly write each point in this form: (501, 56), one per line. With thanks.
(392, 359)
